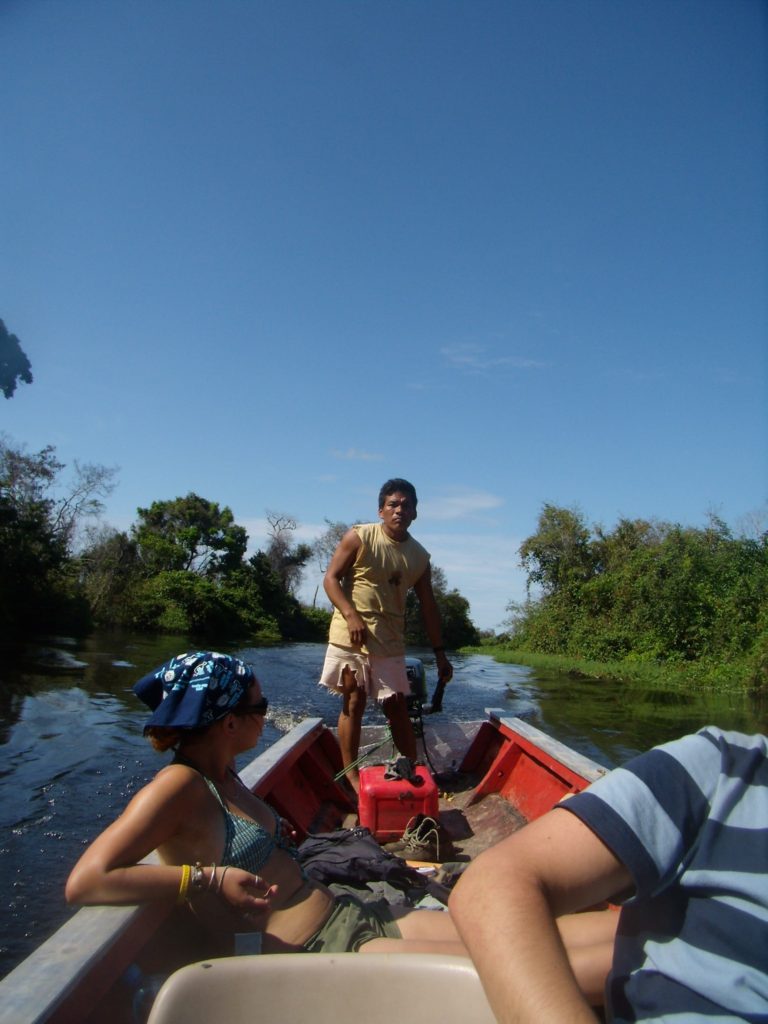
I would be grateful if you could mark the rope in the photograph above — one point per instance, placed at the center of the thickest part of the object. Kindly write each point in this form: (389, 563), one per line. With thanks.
(362, 757)
(424, 738)
(388, 738)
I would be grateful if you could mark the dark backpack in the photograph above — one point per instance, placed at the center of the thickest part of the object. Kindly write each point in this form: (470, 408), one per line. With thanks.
(353, 855)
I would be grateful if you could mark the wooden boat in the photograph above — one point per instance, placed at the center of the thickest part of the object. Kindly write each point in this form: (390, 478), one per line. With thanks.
(494, 776)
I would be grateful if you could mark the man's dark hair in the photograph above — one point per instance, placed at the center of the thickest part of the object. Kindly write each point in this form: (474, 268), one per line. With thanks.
(391, 486)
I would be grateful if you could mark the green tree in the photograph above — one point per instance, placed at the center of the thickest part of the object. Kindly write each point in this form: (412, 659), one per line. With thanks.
(40, 514)
(559, 553)
(458, 628)
(14, 364)
(190, 534)
(325, 545)
(645, 591)
(286, 556)
(109, 567)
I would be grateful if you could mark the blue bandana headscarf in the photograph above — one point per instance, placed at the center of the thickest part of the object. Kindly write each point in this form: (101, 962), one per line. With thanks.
(193, 690)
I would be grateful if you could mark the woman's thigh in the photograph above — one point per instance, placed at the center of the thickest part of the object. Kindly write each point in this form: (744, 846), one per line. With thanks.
(430, 925)
(589, 928)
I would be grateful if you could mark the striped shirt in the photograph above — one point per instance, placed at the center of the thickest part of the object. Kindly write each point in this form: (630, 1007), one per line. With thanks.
(689, 819)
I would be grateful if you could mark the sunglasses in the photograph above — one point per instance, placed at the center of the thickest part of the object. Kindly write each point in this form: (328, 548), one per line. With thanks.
(259, 708)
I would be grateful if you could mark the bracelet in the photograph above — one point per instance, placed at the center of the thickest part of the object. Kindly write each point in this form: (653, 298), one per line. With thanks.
(197, 880)
(212, 879)
(224, 870)
(186, 871)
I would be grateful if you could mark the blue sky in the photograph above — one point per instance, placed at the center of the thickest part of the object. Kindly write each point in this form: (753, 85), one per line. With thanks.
(276, 252)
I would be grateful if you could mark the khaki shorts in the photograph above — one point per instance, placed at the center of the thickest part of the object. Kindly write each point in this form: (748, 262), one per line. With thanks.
(381, 678)
(350, 925)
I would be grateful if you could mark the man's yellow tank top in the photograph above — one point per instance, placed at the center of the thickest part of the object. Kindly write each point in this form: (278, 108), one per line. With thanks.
(377, 583)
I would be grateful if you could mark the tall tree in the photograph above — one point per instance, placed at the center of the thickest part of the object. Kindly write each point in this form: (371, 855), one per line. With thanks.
(559, 553)
(286, 557)
(34, 481)
(190, 534)
(108, 567)
(325, 545)
(39, 517)
(14, 364)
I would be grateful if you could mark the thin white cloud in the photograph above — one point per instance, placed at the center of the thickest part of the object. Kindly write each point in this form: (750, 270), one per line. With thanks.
(355, 454)
(484, 568)
(462, 504)
(475, 359)
(635, 376)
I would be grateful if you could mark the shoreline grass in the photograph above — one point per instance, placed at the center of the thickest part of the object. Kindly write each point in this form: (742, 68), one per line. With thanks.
(738, 676)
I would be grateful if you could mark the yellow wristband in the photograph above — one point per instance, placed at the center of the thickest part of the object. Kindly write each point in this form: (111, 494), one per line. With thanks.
(186, 871)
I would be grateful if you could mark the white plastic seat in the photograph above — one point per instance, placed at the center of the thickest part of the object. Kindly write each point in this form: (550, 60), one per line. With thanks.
(324, 988)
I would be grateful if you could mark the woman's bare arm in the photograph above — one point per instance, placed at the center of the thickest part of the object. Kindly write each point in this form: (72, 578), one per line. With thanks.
(110, 871)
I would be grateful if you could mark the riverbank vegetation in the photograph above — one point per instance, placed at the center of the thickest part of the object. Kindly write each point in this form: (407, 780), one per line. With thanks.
(646, 600)
(182, 567)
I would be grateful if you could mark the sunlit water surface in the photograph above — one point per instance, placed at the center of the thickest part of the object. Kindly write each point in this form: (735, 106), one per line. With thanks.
(72, 753)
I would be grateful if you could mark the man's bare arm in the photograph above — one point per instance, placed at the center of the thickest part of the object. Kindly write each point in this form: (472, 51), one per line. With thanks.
(341, 562)
(505, 906)
(431, 616)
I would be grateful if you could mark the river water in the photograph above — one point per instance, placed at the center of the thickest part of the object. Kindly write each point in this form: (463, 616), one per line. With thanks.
(72, 753)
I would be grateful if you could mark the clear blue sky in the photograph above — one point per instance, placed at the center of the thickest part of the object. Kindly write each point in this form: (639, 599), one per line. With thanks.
(276, 252)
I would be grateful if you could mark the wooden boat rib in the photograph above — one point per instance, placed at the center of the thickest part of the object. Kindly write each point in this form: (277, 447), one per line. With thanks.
(509, 772)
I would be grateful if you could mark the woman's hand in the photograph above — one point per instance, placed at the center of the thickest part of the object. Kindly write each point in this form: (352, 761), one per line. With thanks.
(247, 893)
(287, 831)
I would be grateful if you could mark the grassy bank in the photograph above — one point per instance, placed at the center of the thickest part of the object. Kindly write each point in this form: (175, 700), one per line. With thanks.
(738, 676)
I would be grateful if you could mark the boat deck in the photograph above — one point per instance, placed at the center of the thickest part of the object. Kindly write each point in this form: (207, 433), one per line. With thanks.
(467, 826)
(472, 828)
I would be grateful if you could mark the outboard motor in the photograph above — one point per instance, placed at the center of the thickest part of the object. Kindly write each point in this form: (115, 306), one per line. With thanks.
(417, 677)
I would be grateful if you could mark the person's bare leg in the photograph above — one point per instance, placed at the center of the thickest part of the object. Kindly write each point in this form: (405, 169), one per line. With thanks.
(590, 965)
(350, 723)
(396, 710)
(414, 946)
(423, 931)
(588, 928)
(588, 938)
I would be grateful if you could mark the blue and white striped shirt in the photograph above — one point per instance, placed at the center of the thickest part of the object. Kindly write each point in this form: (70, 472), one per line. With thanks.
(689, 819)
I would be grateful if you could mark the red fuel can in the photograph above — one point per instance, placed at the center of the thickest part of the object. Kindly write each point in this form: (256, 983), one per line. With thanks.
(387, 805)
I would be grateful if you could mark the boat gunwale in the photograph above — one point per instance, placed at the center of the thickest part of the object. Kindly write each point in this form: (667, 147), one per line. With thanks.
(581, 764)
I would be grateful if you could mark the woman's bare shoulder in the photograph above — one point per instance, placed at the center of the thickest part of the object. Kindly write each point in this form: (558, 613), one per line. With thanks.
(177, 783)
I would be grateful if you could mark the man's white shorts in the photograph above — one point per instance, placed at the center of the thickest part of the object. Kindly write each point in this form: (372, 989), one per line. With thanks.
(379, 677)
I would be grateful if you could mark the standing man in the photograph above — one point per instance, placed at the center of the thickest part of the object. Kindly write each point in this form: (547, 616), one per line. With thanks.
(368, 578)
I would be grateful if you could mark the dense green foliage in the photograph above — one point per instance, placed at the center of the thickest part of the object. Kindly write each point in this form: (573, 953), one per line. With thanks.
(181, 568)
(39, 517)
(189, 535)
(646, 592)
(14, 363)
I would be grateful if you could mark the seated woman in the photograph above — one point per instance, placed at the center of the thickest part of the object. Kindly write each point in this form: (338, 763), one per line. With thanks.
(223, 849)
